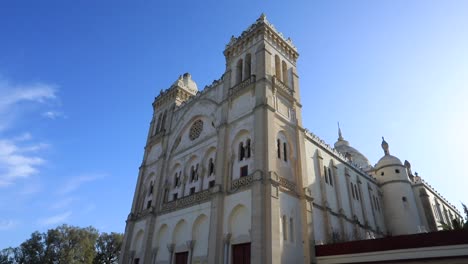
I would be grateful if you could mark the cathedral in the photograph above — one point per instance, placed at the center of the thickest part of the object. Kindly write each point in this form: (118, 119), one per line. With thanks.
(230, 175)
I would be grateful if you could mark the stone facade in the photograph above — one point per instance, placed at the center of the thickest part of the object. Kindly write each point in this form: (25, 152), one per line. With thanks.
(229, 172)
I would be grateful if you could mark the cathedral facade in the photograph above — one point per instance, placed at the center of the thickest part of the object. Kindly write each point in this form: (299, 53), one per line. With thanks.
(230, 175)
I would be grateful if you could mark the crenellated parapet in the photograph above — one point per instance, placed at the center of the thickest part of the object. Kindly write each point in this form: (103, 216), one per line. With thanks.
(262, 28)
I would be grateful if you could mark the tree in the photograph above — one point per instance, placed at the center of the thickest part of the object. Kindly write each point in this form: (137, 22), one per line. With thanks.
(7, 256)
(108, 248)
(31, 251)
(66, 245)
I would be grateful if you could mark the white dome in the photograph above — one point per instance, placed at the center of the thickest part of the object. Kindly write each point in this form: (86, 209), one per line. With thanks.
(357, 157)
(388, 160)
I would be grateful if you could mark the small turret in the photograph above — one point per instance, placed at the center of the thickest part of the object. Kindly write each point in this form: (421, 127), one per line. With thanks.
(398, 197)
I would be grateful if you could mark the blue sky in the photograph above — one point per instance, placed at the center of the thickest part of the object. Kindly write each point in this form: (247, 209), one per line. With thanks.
(77, 79)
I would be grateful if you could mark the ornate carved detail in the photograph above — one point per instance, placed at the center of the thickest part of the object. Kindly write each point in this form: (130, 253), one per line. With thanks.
(282, 86)
(242, 85)
(242, 181)
(287, 184)
(186, 201)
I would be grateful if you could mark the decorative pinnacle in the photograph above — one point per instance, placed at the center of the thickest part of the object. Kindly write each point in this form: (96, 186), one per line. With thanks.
(262, 17)
(385, 146)
(340, 136)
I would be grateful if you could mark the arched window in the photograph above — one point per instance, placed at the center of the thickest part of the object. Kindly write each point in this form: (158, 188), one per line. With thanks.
(158, 126)
(248, 148)
(163, 122)
(278, 148)
(239, 71)
(285, 227)
(285, 152)
(285, 73)
(150, 191)
(330, 176)
(248, 66)
(277, 67)
(192, 173)
(241, 151)
(211, 167)
(291, 229)
(176, 180)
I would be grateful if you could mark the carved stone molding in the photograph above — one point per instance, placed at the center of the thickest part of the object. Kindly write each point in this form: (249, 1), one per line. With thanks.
(239, 87)
(186, 201)
(241, 182)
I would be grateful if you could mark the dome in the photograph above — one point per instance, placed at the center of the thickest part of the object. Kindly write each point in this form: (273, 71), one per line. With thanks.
(185, 81)
(353, 154)
(388, 160)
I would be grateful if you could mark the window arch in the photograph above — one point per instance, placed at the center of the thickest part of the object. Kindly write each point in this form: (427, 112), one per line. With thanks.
(285, 227)
(248, 66)
(211, 167)
(163, 121)
(291, 229)
(285, 72)
(158, 126)
(239, 71)
(285, 152)
(277, 67)
(241, 151)
(278, 148)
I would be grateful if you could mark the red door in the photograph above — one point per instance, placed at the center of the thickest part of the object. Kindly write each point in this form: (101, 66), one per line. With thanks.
(241, 253)
(181, 258)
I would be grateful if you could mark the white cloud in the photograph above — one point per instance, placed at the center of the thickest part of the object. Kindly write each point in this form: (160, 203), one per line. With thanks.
(13, 96)
(74, 183)
(55, 219)
(53, 115)
(17, 161)
(8, 224)
(20, 157)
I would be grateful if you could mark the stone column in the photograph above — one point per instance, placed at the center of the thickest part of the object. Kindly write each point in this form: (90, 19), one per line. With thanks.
(154, 255)
(171, 248)
(227, 246)
(336, 183)
(190, 245)
(323, 192)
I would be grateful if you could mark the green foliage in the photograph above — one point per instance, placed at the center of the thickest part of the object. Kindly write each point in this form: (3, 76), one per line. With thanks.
(108, 248)
(66, 245)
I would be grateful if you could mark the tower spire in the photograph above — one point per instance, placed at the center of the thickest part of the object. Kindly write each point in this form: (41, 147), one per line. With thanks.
(340, 136)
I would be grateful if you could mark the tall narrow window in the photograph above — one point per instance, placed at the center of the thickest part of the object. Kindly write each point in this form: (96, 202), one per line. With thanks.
(148, 204)
(163, 122)
(325, 174)
(330, 177)
(158, 127)
(241, 151)
(244, 171)
(192, 173)
(211, 167)
(239, 71)
(278, 148)
(151, 188)
(356, 191)
(285, 227)
(176, 180)
(278, 67)
(285, 152)
(291, 229)
(352, 190)
(248, 65)
(248, 148)
(285, 73)
(196, 172)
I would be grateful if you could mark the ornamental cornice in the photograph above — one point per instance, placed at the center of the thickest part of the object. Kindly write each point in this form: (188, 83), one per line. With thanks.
(261, 27)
